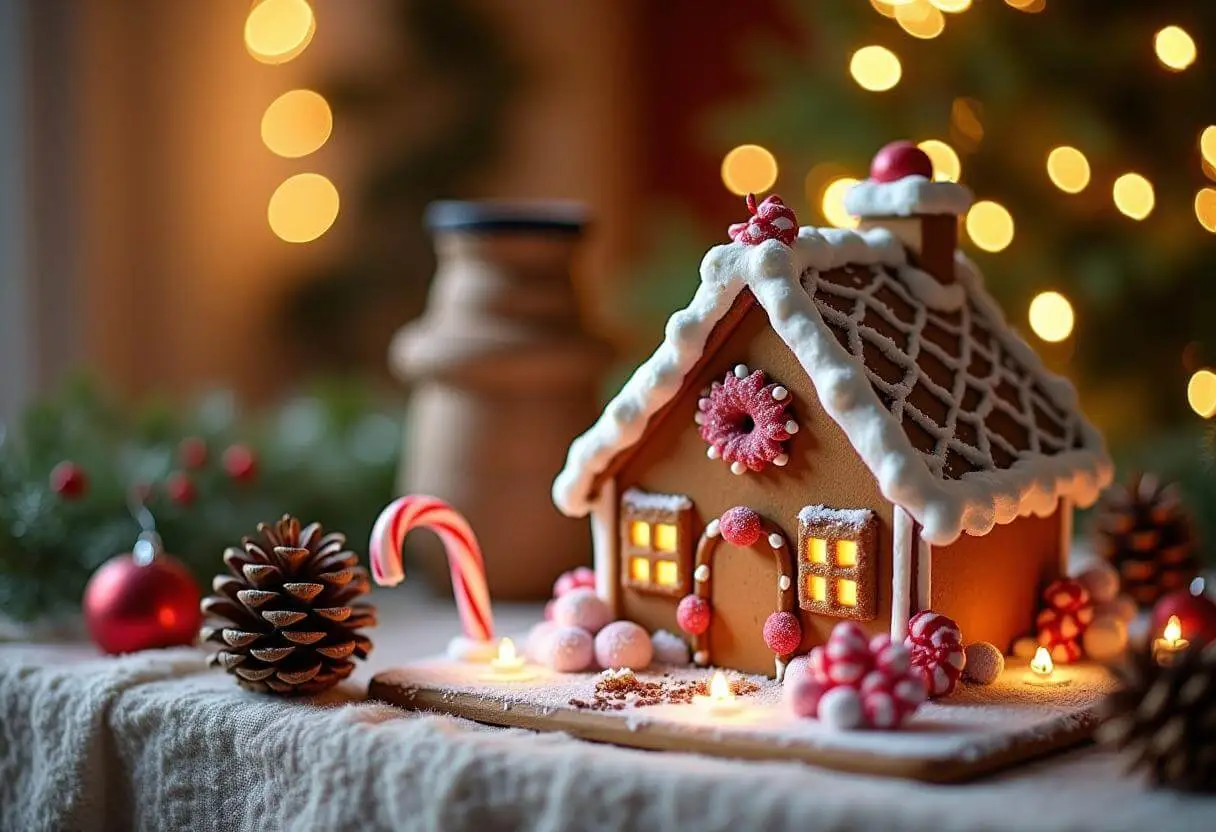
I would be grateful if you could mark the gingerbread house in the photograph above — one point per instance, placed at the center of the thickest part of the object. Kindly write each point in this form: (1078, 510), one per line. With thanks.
(840, 425)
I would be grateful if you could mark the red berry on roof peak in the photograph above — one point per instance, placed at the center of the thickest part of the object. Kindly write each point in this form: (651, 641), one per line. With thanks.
(899, 159)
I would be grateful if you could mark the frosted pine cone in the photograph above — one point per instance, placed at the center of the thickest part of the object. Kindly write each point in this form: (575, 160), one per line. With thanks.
(289, 621)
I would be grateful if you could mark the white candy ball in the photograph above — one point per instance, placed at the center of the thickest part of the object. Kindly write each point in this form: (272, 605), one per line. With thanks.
(536, 645)
(1025, 647)
(799, 668)
(1101, 580)
(984, 663)
(582, 608)
(1122, 608)
(840, 708)
(623, 644)
(669, 648)
(570, 649)
(1105, 639)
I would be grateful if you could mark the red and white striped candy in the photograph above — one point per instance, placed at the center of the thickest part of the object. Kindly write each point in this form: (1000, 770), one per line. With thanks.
(846, 658)
(887, 699)
(772, 219)
(1063, 622)
(414, 511)
(936, 645)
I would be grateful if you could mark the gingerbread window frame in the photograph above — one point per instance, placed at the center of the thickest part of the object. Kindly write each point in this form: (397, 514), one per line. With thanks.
(838, 562)
(656, 561)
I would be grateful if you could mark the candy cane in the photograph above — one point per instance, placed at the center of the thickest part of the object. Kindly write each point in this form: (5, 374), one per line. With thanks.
(414, 511)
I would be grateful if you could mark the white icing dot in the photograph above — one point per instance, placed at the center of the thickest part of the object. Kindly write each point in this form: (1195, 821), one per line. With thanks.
(776, 541)
(740, 371)
(711, 452)
(783, 583)
(712, 528)
(781, 460)
(779, 393)
(791, 427)
(737, 467)
(704, 402)
(699, 418)
(701, 574)
(701, 657)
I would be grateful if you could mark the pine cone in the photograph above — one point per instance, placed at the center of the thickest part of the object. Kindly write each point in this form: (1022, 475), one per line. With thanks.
(1165, 718)
(289, 624)
(1146, 533)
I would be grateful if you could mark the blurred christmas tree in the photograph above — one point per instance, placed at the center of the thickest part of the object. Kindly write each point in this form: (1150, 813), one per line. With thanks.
(1078, 125)
(432, 117)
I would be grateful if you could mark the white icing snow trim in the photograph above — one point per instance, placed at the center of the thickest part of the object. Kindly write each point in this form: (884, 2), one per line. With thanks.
(944, 508)
(907, 197)
(854, 518)
(932, 292)
(657, 502)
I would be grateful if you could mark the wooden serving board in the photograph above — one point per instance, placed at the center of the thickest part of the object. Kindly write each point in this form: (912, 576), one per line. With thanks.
(975, 732)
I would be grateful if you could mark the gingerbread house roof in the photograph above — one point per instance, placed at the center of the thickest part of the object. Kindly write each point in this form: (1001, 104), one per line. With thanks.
(953, 413)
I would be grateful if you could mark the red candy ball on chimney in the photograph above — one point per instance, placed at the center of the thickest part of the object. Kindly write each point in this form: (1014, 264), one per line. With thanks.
(899, 159)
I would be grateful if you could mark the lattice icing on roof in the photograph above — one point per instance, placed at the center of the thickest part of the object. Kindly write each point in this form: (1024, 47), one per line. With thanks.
(956, 468)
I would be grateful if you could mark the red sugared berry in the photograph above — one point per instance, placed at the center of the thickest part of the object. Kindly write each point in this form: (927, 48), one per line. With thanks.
(240, 463)
(899, 159)
(693, 615)
(782, 633)
(192, 452)
(740, 526)
(68, 480)
(180, 488)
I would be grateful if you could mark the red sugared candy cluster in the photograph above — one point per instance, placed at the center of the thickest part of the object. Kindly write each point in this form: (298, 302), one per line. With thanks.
(936, 644)
(772, 219)
(899, 159)
(854, 682)
(1067, 612)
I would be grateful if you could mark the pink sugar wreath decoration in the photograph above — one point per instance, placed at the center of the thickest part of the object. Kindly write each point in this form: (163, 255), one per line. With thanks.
(745, 421)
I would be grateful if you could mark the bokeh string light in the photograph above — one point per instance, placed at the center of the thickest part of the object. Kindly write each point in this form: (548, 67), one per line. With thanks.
(749, 169)
(297, 123)
(1205, 208)
(1051, 316)
(1201, 393)
(952, 6)
(1028, 6)
(989, 225)
(303, 207)
(875, 68)
(1175, 48)
(920, 19)
(1133, 195)
(1068, 169)
(832, 203)
(946, 166)
(276, 31)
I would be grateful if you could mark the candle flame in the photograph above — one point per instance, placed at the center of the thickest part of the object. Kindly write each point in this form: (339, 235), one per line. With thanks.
(719, 688)
(1173, 631)
(1042, 663)
(506, 650)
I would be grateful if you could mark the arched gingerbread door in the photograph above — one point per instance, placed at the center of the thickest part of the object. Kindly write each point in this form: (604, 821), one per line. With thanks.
(744, 569)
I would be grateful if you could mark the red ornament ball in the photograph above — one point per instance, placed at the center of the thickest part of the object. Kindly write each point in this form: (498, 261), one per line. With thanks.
(68, 480)
(782, 633)
(240, 463)
(180, 488)
(899, 159)
(740, 526)
(192, 452)
(141, 601)
(1196, 614)
(693, 615)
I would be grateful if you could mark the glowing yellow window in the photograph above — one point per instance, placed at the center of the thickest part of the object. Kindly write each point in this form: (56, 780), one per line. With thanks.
(666, 573)
(846, 592)
(819, 550)
(846, 552)
(639, 570)
(817, 588)
(664, 538)
(639, 534)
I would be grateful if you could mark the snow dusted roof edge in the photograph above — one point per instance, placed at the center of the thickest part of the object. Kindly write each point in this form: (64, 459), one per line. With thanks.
(944, 508)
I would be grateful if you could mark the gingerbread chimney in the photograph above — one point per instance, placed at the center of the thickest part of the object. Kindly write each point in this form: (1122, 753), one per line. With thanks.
(901, 196)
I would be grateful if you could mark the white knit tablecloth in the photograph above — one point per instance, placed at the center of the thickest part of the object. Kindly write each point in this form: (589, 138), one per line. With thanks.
(156, 741)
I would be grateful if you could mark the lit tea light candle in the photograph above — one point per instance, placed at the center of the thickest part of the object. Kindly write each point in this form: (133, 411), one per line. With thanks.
(1043, 671)
(1170, 646)
(721, 701)
(508, 665)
